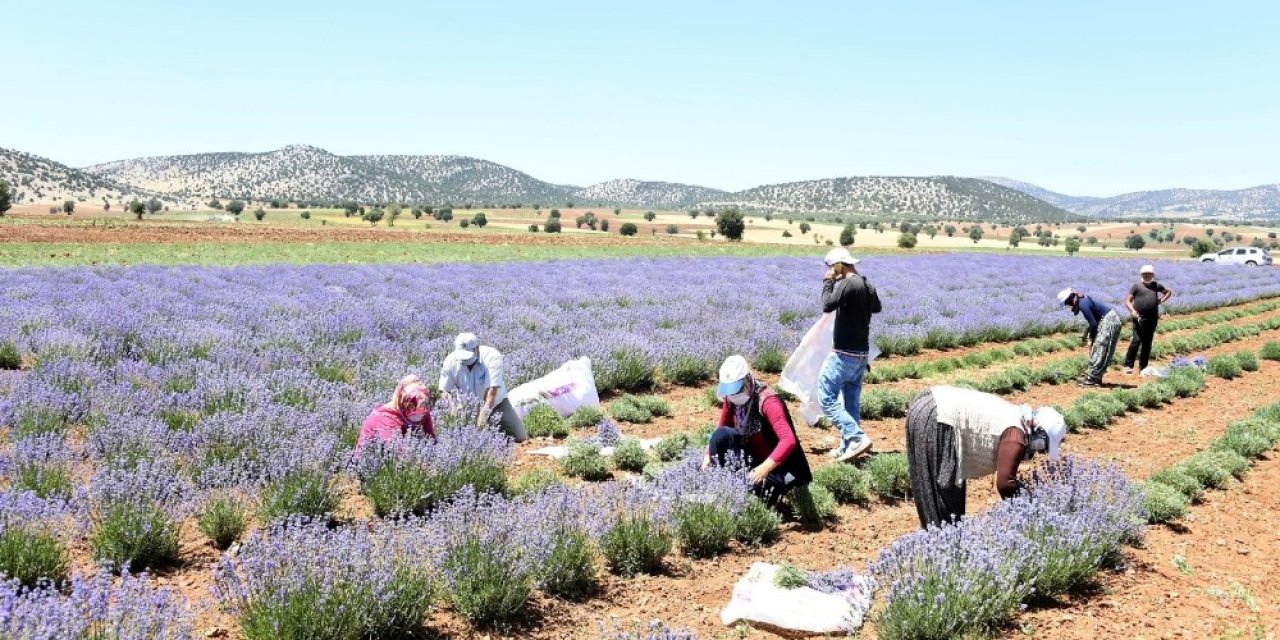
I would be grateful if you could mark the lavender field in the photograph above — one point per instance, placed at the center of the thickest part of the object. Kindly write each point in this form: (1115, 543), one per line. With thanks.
(136, 399)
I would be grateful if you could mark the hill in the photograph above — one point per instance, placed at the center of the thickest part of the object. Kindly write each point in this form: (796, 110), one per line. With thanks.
(303, 173)
(40, 180)
(664, 195)
(936, 197)
(1255, 203)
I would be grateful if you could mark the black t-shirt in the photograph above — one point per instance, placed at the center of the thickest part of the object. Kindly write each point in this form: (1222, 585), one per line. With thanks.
(1146, 297)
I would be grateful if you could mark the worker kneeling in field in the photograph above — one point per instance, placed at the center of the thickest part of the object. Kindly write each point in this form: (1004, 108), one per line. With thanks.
(955, 435)
(756, 428)
(409, 411)
(475, 370)
(1102, 333)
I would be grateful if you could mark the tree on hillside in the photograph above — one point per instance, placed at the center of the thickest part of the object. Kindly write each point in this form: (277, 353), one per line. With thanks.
(931, 230)
(349, 207)
(672, 229)
(694, 213)
(804, 228)
(649, 216)
(1135, 241)
(416, 212)
(975, 233)
(6, 197)
(950, 230)
(1092, 240)
(235, 207)
(907, 240)
(68, 206)
(277, 203)
(1201, 246)
(1081, 228)
(552, 226)
(555, 213)
(847, 235)
(259, 214)
(373, 216)
(392, 214)
(617, 211)
(480, 220)
(628, 229)
(154, 205)
(137, 208)
(1072, 246)
(1015, 238)
(730, 225)
(604, 225)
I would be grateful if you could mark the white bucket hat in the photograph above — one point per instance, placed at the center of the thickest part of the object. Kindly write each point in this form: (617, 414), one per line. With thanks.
(1146, 268)
(1054, 425)
(1064, 295)
(840, 255)
(464, 346)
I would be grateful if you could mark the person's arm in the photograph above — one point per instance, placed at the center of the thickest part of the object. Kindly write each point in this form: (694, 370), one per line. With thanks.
(1009, 454)
(1087, 311)
(1165, 294)
(1128, 302)
(832, 294)
(773, 413)
(873, 295)
(726, 420)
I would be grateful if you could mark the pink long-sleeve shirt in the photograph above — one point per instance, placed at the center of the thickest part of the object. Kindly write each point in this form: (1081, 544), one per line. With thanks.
(385, 424)
(775, 442)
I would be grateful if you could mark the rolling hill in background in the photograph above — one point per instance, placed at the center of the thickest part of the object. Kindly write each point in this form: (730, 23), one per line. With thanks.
(36, 179)
(313, 175)
(1254, 203)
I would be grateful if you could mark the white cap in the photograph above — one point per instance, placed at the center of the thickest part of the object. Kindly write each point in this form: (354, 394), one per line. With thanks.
(841, 255)
(1146, 268)
(465, 345)
(1064, 295)
(732, 373)
(1054, 425)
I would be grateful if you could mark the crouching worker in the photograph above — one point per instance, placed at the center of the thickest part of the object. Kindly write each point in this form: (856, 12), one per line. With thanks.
(756, 428)
(475, 370)
(1102, 332)
(409, 411)
(955, 435)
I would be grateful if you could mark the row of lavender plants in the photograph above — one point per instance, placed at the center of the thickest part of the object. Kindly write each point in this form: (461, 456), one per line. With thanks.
(967, 579)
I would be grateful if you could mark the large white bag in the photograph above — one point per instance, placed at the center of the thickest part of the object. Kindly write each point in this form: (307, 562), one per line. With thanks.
(565, 389)
(800, 376)
(757, 599)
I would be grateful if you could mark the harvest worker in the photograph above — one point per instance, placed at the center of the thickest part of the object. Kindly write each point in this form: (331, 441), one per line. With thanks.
(853, 300)
(409, 411)
(1143, 301)
(955, 435)
(756, 430)
(476, 371)
(1103, 332)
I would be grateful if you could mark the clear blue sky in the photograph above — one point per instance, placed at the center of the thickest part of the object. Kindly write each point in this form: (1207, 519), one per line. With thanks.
(1085, 97)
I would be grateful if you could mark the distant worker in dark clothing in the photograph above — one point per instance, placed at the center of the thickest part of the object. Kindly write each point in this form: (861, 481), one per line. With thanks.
(853, 300)
(1102, 334)
(955, 435)
(1144, 300)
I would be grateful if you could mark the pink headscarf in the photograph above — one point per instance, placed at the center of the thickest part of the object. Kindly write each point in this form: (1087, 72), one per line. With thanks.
(410, 406)
(412, 399)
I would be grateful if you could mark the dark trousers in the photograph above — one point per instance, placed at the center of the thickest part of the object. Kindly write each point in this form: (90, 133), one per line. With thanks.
(932, 462)
(729, 448)
(1140, 348)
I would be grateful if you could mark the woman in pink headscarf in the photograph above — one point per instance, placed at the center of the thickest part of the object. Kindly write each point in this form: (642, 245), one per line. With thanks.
(408, 411)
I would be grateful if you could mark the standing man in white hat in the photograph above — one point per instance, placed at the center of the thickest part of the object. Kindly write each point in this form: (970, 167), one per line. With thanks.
(475, 370)
(1144, 300)
(854, 301)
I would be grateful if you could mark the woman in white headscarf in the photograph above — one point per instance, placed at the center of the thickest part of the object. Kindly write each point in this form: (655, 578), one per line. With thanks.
(955, 435)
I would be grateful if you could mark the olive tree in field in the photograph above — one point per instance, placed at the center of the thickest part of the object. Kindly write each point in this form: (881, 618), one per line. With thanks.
(6, 197)
(1135, 242)
(730, 225)
(259, 214)
(975, 233)
(154, 206)
(392, 214)
(235, 207)
(649, 216)
(950, 230)
(106, 205)
(552, 225)
(214, 204)
(907, 240)
(694, 213)
(628, 229)
(1072, 246)
(847, 235)
(68, 206)
(1201, 246)
(555, 213)
(804, 228)
(373, 216)
(930, 230)
(672, 229)
(480, 220)
(604, 225)
(137, 208)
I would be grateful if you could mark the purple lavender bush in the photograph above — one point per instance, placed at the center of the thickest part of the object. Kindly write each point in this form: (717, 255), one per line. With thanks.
(304, 579)
(94, 607)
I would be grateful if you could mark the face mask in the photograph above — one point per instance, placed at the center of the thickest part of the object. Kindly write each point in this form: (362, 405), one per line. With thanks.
(740, 398)
(472, 361)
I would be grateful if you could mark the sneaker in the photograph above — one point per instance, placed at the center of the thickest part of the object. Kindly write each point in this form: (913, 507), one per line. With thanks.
(854, 449)
(1088, 383)
(836, 452)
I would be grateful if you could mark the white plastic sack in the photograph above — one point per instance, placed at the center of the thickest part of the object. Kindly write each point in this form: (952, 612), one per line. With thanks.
(565, 389)
(558, 452)
(1159, 372)
(800, 376)
(757, 599)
